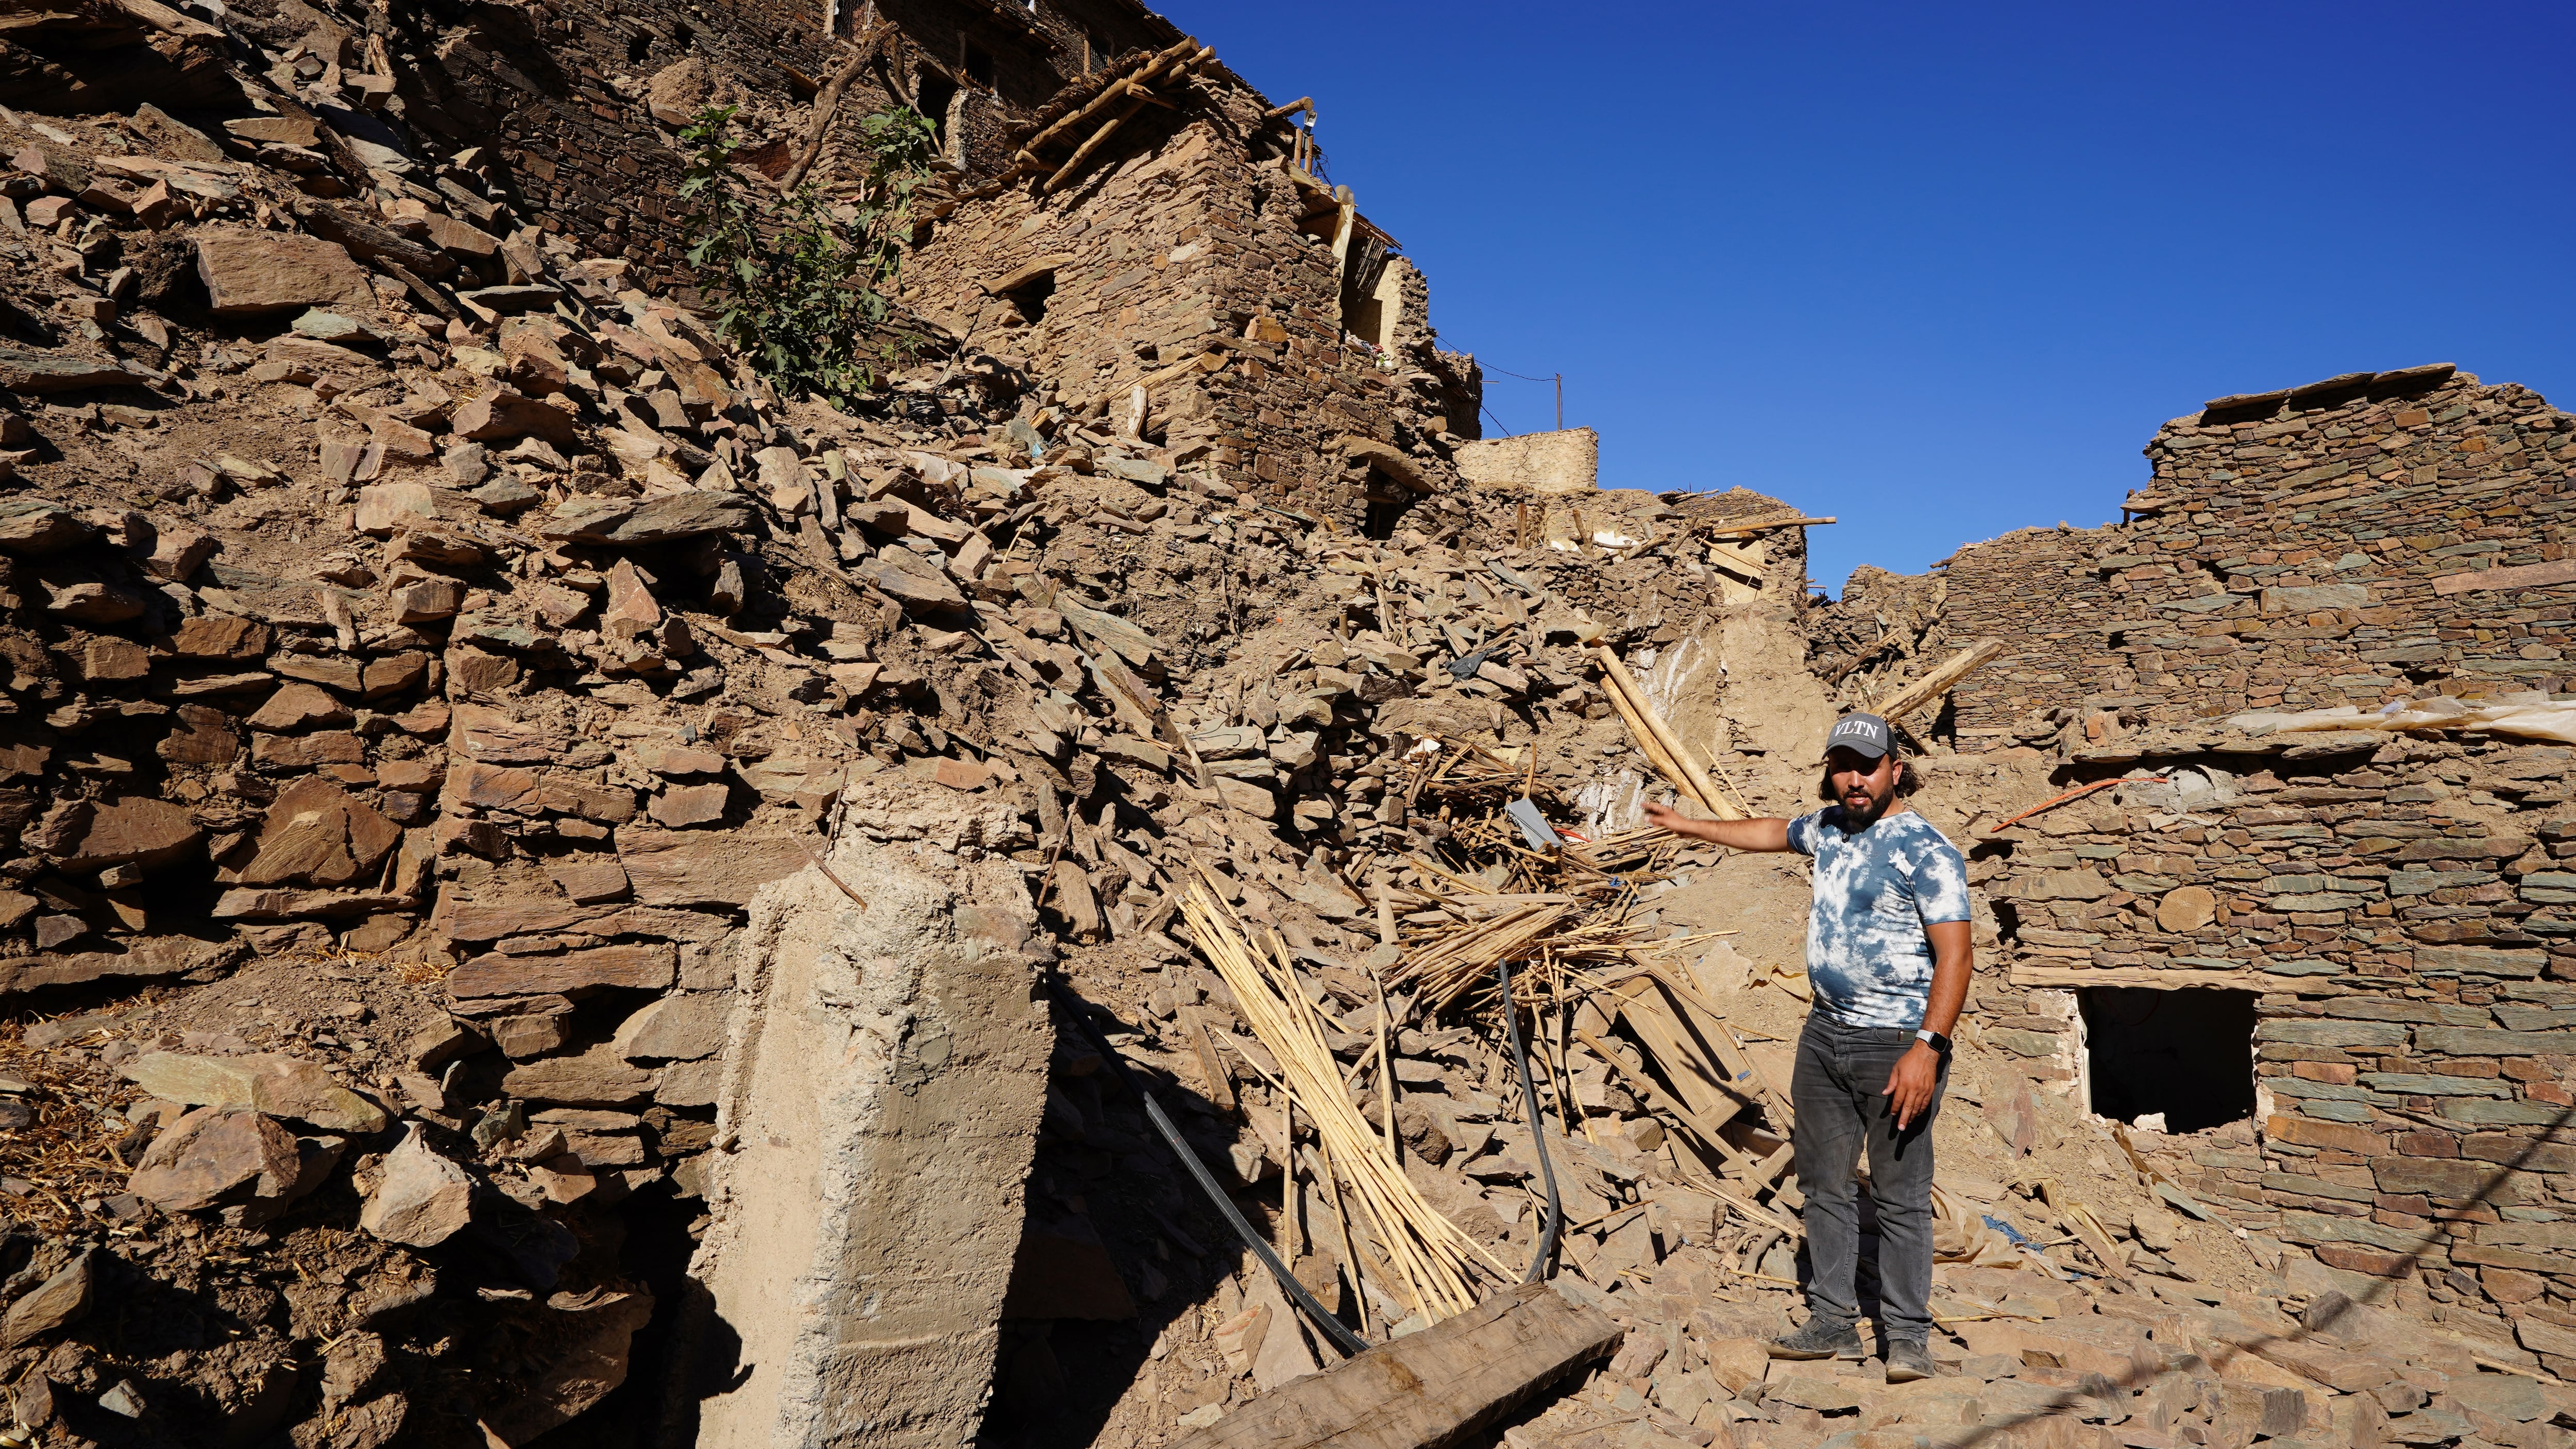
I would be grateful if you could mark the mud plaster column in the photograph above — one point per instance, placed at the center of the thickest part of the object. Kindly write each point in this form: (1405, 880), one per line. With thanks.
(885, 1079)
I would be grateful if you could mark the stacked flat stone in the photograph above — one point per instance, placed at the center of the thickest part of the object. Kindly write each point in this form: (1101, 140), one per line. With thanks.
(2293, 549)
(2405, 908)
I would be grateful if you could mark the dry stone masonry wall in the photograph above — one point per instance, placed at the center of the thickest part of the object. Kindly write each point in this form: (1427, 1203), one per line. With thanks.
(2399, 906)
(1207, 272)
(2356, 539)
(579, 103)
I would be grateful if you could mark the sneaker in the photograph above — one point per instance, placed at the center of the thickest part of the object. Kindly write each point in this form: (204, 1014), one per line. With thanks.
(1818, 1339)
(1907, 1362)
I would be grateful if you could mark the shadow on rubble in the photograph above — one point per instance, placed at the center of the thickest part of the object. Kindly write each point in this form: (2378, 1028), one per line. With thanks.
(1117, 1244)
(2319, 1323)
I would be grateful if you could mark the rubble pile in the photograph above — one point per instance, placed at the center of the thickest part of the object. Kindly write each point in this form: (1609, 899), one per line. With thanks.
(425, 645)
(437, 664)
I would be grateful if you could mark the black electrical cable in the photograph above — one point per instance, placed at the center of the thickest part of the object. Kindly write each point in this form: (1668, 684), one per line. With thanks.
(1538, 1130)
(1340, 1332)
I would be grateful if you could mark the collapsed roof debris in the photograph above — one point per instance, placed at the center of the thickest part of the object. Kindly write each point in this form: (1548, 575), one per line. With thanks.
(532, 857)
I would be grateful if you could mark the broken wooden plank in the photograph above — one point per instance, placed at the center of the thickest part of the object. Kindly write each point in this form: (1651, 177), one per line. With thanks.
(1220, 1082)
(1939, 682)
(1429, 1390)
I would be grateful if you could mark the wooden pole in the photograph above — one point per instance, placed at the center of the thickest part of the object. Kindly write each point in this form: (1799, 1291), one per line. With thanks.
(1689, 774)
(1108, 94)
(1098, 139)
(1739, 530)
(1939, 682)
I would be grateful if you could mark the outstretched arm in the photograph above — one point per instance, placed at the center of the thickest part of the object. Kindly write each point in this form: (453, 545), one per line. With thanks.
(1768, 833)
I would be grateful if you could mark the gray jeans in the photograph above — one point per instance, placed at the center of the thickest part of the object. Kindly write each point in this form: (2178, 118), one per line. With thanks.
(1838, 1090)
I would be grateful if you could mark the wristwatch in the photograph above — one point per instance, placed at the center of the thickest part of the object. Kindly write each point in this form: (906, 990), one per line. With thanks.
(1933, 1039)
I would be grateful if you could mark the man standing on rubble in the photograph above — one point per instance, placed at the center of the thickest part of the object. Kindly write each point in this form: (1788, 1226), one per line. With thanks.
(1887, 956)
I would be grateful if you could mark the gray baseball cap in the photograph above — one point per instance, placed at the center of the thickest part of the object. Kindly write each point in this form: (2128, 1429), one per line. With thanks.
(1865, 735)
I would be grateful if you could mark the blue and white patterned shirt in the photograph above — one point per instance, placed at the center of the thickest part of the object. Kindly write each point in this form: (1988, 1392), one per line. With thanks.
(1868, 956)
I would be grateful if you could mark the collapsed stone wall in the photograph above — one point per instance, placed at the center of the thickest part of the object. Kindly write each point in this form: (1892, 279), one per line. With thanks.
(1866, 642)
(1195, 263)
(2300, 548)
(579, 103)
(2399, 909)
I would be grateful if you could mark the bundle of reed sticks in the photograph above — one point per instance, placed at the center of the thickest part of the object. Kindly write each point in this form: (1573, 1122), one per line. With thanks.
(1431, 1264)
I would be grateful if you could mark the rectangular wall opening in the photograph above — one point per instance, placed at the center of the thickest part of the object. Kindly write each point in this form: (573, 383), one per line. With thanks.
(2181, 1060)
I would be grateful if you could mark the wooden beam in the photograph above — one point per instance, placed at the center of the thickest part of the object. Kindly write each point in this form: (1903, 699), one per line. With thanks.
(1939, 682)
(1429, 1390)
(1153, 381)
(1021, 276)
(1662, 747)
(1110, 94)
(1098, 139)
(1744, 530)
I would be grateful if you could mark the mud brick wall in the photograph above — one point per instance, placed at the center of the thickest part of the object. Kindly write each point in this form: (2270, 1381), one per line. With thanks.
(2404, 909)
(2296, 549)
(1181, 263)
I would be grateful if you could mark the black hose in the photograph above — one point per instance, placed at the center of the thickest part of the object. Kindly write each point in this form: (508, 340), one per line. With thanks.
(1339, 1332)
(1538, 1131)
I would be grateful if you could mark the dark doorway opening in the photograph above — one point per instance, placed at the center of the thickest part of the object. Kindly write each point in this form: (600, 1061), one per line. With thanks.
(938, 93)
(1388, 501)
(2185, 1055)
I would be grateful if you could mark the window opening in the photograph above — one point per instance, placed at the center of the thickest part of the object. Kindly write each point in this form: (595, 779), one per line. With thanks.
(1030, 297)
(979, 66)
(639, 47)
(1031, 300)
(2184, 1056)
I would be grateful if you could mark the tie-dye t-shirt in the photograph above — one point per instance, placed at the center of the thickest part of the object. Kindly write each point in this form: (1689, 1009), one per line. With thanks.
(1867, 954)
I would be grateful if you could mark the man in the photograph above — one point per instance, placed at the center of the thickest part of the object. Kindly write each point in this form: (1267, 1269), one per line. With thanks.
(1887, 956)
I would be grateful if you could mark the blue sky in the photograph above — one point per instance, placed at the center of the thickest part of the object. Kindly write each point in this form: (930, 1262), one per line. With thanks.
(1940, 271)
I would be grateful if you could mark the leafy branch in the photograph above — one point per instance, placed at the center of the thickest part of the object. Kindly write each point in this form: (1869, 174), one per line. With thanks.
(800, 284)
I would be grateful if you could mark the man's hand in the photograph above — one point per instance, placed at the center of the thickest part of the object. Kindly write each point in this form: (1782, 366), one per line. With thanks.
(1909, 1087)
(1669, 818)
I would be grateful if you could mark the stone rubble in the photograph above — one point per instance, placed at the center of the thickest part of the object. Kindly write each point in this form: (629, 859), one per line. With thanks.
(426, 644)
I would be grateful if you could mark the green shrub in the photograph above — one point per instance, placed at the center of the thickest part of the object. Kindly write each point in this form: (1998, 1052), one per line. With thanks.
(800, 283)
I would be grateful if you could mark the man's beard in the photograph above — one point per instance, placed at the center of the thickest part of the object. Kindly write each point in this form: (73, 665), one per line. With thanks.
(1870, 809)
